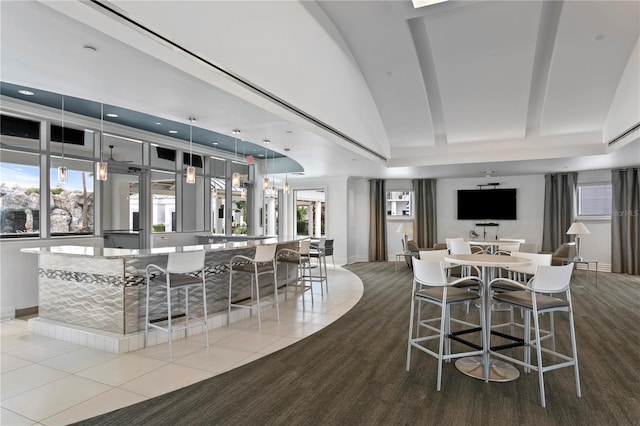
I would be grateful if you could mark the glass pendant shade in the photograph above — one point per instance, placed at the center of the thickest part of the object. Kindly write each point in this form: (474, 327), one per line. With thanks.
(101, 170)
(191, 174)
(265, 183)
(286, 187)
(235, 180)
(63, 175)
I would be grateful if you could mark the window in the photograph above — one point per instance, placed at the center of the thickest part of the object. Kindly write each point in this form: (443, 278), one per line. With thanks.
(399, 203)
(594, 199)
(19, 194)
(71, 210)
(163, 196)
(310, 212)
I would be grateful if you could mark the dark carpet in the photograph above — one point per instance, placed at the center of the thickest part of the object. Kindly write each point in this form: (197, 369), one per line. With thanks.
(353, 372)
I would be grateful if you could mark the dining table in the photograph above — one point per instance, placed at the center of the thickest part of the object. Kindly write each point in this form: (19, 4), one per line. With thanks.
(499, 371)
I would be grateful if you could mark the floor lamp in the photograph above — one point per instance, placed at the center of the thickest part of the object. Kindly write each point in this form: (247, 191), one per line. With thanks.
(577, 229)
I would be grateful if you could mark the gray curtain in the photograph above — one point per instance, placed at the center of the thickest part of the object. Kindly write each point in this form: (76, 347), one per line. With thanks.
(425, 224)
(625, 224)
(559, 208)
(378, 221)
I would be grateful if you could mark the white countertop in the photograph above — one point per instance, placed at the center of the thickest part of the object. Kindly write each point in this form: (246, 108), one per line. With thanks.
(100, 252)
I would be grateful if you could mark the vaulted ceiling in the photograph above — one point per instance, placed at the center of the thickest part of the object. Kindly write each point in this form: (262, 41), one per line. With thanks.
(357, 88)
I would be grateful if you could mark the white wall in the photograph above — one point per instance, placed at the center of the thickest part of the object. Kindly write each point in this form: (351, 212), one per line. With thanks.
(358, 220)
(530, 207)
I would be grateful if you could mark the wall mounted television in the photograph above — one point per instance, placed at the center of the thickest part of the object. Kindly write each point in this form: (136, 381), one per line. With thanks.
(497, 204)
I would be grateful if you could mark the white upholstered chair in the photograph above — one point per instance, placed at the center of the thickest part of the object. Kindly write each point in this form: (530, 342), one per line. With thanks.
(548, 291)
(431, 285)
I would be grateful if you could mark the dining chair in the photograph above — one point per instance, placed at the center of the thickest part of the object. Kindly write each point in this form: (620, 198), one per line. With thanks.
(431, 285)
(547, 292)
(184, 271)
(262, 263)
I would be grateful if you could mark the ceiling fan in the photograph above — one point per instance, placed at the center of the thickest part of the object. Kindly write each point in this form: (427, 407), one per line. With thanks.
(113, 160)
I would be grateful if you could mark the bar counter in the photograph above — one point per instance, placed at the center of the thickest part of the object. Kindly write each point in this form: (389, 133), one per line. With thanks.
(104, 289)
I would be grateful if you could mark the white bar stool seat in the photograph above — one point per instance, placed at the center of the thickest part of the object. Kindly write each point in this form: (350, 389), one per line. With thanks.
(185, 270)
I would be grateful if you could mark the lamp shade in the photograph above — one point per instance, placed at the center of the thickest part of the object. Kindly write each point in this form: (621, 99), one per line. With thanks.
(577, 228)
(405, 227)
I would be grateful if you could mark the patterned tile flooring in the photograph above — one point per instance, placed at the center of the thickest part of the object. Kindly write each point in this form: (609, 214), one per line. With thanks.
(45, 381)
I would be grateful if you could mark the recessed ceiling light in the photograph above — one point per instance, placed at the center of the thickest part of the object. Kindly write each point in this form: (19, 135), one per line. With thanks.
(159, 123)
(261, 155)
(112, 115)
(26, 92)
(173, 132)
(214, 143)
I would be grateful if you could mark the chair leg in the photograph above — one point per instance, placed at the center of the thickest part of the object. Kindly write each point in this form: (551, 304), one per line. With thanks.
(204, 305)
(257, 299)
(275, 291)
(443, 320)
(527, 340)
(539, 355)
(169, 330)
(230, 279)
(574, 350)
(411, 320)
(146, 316)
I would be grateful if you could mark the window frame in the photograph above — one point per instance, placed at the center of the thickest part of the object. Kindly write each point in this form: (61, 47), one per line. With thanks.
(586, 217)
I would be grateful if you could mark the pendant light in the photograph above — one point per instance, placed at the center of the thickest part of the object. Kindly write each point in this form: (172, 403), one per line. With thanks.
(191, 171)
(265, 181)
(101, 166)
(62, 170)
(235, 178)
(286, 178)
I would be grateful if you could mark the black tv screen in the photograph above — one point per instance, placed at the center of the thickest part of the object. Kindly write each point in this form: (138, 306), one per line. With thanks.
(485, 204)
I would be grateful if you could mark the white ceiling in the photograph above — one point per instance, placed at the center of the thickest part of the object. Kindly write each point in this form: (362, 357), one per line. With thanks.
(453, 89)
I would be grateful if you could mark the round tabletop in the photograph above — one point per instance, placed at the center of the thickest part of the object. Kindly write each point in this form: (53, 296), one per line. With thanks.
(486, 260)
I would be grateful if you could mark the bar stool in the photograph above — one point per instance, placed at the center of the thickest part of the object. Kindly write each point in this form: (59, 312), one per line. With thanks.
(317, 251)
(181, 273)
(263, 262)
(301, 259)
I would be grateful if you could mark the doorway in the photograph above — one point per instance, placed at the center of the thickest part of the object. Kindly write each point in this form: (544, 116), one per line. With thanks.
(310, 208)
(123, 215)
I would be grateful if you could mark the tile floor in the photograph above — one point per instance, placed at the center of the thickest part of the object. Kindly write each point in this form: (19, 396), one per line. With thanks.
(45, 381)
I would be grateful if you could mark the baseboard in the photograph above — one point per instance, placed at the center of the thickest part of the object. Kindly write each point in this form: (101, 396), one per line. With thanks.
(25, 312)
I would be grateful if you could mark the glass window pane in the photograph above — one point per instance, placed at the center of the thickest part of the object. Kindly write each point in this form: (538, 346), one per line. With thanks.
(71, 203)
(163, 158)
(193, 205)
(594, 200)
(399, 203)
(19, 194)
(122, 149)
(217, 205)
(239, 218)
(218, 167)
(18, 132)
(310, 212)
(76, 142)
(163, 194)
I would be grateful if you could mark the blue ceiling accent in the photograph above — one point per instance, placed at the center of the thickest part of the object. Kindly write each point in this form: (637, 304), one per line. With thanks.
(136, 120)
